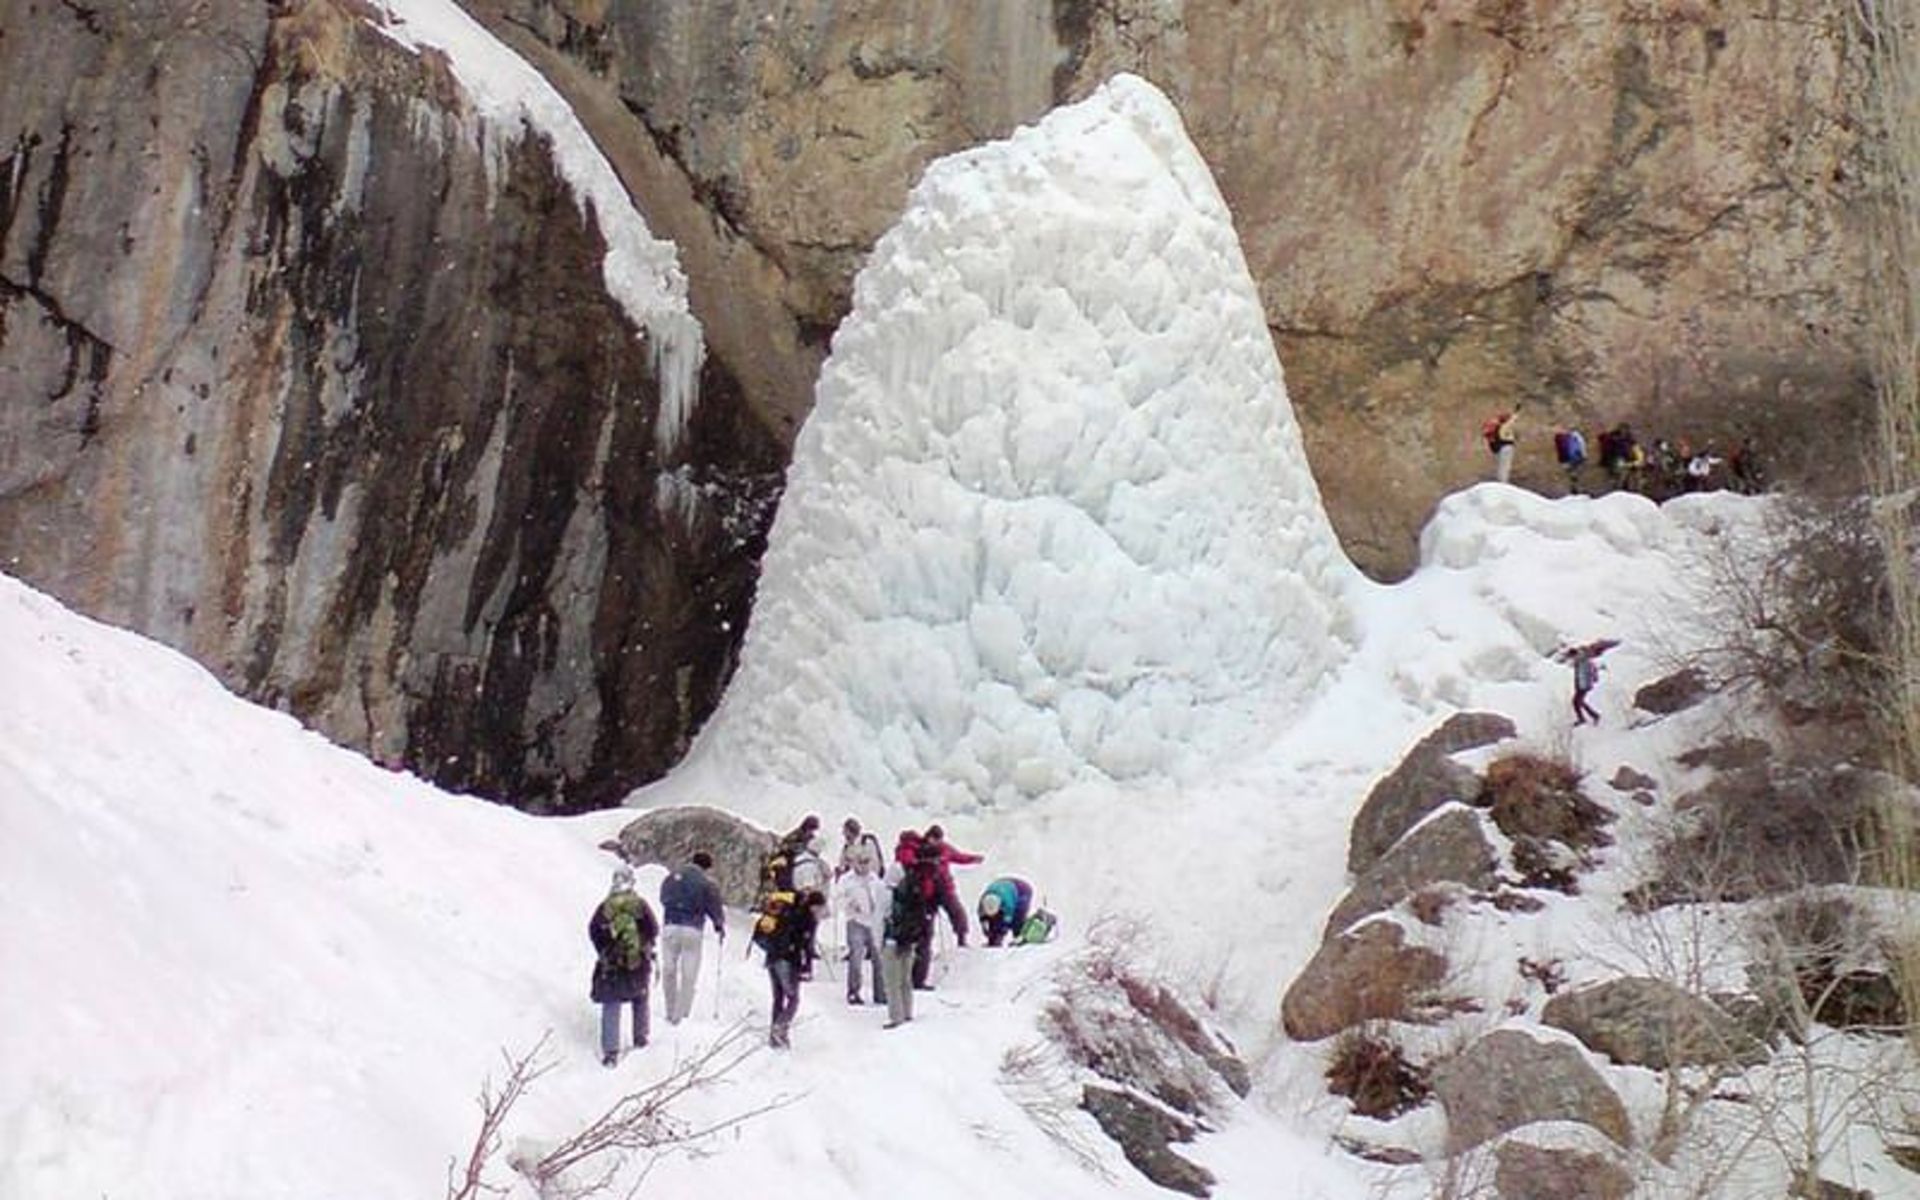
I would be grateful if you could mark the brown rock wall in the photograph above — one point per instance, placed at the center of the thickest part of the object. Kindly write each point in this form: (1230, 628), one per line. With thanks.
(1610, 210)
(318, 381)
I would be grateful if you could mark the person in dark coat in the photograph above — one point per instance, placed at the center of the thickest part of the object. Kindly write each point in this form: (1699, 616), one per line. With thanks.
(689, 899)
(907, 932)
(950, 856)
(934, 891)
(1004, 907)
(622, 930)
(790, 956)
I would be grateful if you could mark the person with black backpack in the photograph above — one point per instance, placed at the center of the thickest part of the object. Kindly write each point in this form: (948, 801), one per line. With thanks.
(789, 947)
(622, 930)
(907, 936)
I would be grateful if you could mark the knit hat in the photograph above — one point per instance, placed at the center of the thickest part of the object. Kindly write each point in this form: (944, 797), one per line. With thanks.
(990, 904)
(623, 878)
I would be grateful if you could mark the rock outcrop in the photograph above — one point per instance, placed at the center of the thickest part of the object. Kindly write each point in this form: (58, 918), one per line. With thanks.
(1508, 1080)
(669, 836)
(1610, 212)
(1650, 1023)
(310, 371)
(1425, 779)
(1371, 973)
(1451, 847)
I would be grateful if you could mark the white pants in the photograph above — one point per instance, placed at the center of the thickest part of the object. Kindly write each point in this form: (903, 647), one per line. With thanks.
(680, 968)
(1503, 462)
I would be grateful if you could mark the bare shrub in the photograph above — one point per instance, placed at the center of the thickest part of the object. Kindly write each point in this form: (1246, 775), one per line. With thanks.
(1765, 831)
(1371, 1069)
(587, 1162)
(1538, 796)
(1798, 616)
(1046, 1088)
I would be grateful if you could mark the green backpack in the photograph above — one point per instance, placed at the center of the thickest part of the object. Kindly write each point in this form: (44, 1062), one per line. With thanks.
(629, 949)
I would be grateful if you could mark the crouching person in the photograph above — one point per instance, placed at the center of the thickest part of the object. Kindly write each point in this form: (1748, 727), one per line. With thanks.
(1004, 907)
(622, 930)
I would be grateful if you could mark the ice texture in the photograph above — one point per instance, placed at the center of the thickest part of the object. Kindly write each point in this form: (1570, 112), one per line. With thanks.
(1050, 520)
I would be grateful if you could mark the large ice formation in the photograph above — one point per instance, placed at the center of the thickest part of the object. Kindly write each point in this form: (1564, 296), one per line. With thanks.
(1050, 520)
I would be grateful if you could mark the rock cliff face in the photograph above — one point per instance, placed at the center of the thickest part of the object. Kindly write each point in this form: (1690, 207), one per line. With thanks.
(1634, 208)
(304, 373)
(309, 371)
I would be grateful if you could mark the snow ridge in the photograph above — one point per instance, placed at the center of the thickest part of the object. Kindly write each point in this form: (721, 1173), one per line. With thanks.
(1050, 521)
(641, 271)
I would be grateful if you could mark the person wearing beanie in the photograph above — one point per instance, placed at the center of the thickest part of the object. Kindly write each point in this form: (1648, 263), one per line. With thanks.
(689, 900)
(622, 930)
(1004, 907)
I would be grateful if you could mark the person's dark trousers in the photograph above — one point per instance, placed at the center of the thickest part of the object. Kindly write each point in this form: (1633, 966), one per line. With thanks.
(785, 976)
(610, 1023)
(957, 914)
(923, 957)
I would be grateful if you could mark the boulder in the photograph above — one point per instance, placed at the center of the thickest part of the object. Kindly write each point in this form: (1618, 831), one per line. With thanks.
(1651, 1023)
(1525, 1171)
(669, 836)
(1510, 1079)
(1365, 974)
(1425, 779)
(1673, 693)
(1626, 779)
(1728, 754)
(1449, 848)
(1146, 1132)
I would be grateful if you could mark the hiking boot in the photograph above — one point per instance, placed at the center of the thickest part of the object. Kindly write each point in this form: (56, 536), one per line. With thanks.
(854, 1000)
(893, 1024)
(610, 1058)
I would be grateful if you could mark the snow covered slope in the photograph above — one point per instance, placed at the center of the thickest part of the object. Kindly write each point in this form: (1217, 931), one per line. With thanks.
(1050, 521)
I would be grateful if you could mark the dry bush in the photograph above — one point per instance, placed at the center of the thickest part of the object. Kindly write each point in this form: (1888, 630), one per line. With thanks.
(1538, 796)
(1799, 616)
(1046, 1088)
(1766, 831)
(1370, 1068)
(1113, 1015)
(588, 1161)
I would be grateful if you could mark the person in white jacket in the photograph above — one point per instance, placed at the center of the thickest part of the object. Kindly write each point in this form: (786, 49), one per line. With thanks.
(862, 898)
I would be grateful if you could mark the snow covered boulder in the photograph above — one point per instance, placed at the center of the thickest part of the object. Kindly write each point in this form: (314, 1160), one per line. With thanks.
(1651, 1023)
(1452, 847)
(1366, 974)
(669, 836)
(1425, 779)
(1509, 1079)
(1526, 1171)
(1050, 520)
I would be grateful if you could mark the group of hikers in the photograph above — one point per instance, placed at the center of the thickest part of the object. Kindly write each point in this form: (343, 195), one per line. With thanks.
(890, 910)
(1659, 471)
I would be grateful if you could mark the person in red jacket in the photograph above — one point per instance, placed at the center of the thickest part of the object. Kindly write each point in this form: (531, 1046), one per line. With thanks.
(950, 857)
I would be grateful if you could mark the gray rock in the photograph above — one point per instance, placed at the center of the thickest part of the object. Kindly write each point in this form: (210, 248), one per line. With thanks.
(1425, 779)
(1529, 1172)
(1626, 779)
(1146, 1133)
(1651, 1023)
(1365, 974)
(669, 836)
(1673, 693)
(345, 411)
(1508, 1080)
(1728, 754)
(1451, 847)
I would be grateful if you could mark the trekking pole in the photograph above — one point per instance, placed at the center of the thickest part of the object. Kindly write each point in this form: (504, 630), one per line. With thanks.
(719, 969)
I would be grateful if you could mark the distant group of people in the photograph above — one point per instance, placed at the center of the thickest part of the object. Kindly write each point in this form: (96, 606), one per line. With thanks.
(890, 906)
(1661, 470)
